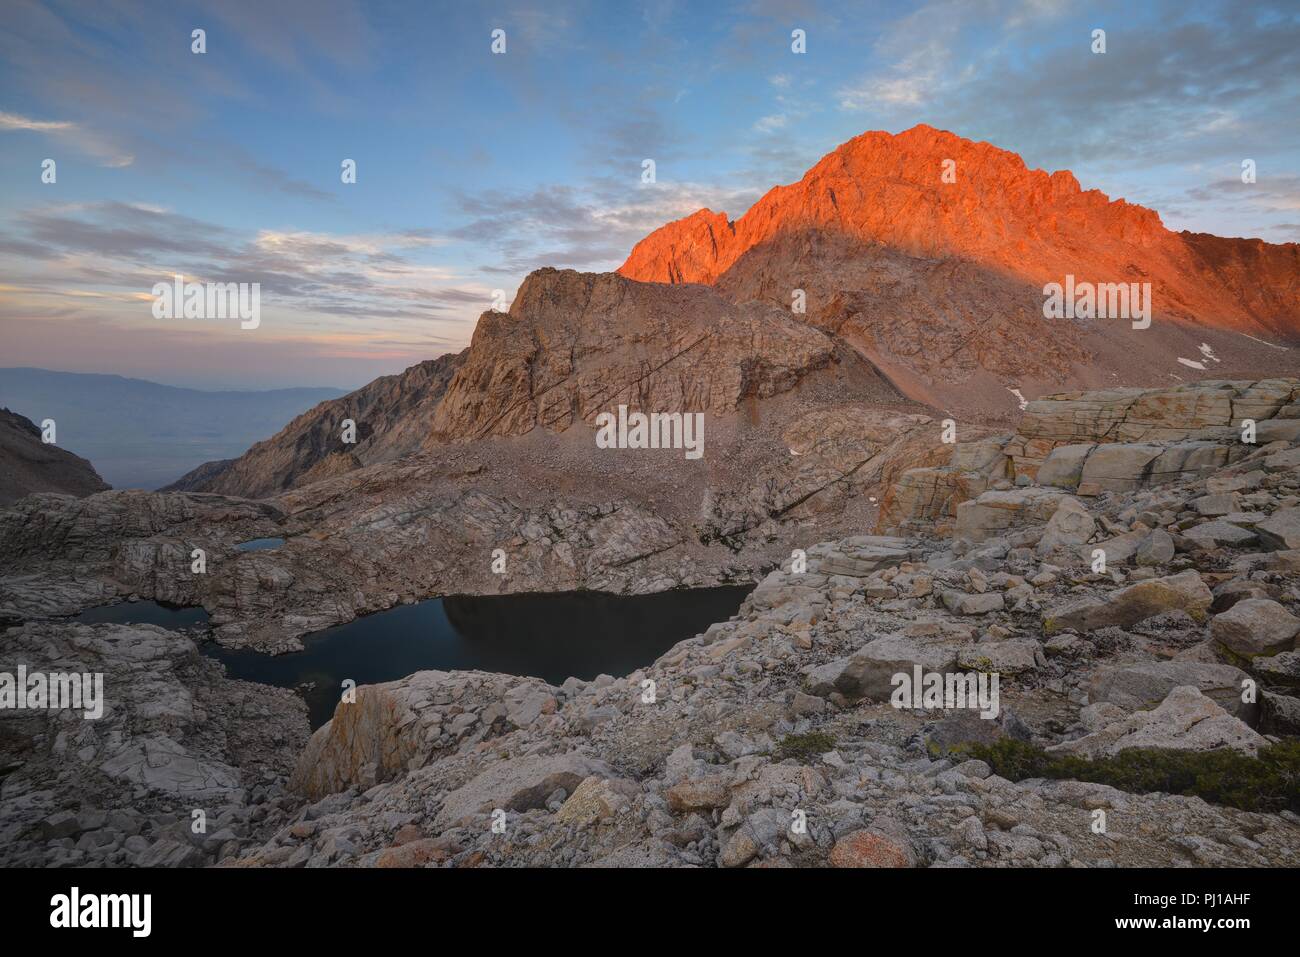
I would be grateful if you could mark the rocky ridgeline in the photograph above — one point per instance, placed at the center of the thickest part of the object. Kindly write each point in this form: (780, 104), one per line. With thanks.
(782, 712)
(31, 465)
(392, 415)
(1117, 440)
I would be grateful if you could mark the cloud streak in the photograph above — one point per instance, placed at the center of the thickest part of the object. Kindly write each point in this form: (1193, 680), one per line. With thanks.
(79, 138)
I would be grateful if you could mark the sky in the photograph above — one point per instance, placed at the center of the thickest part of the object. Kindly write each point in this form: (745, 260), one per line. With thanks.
(473, 168)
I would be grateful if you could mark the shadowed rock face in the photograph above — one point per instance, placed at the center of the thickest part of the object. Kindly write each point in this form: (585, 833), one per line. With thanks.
(572, 345)
(174, 735)
(28, 465)
(392, 416)
(633, 522)
(575, 344)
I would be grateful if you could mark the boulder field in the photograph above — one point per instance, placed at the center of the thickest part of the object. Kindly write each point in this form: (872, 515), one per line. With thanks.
(1130, 585)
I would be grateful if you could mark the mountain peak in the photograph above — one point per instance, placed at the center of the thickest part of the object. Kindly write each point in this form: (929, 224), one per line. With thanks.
(932, 194)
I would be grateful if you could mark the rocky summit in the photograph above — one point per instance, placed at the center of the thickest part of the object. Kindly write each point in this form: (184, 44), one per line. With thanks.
(939, 280)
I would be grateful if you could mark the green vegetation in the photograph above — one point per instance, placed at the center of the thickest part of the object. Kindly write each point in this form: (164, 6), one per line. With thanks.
(1270, 782)
(804, 747)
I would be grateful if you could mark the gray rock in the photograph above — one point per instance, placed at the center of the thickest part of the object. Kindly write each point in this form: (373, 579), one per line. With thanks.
(60, 824)
(1156, 549)
(994, 512)
(172, 853)
(870, 671)
(960, 603)
(519, 784)
(1279, 714)
(1214, 534)
(1069, 526)
(1186, 720)
(824, 679)
(1282, 529)
(1216, 505)
(1143, 685)
(1063, 466)
(1281, 669)
(1118, 467)
(1184, 592)
(1255, 626)
(1002, 657)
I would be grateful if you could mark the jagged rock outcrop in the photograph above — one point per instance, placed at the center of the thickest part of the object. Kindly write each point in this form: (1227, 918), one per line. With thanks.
(1185, 721)
(926, 494)
(392, 415)
(1184, 592)
(576, 344)
(29, 465)
(1191, 417)
(1143, 685)
(398, 727)
(1089, 443)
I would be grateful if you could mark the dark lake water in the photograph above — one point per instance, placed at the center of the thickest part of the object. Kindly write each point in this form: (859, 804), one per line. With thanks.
(549, 636)
(260, 544)
(144, 613)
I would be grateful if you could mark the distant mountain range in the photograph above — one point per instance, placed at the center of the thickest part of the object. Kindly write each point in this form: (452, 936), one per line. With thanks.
(140, 434)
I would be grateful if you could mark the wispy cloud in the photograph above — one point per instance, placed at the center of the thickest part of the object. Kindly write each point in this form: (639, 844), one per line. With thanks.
(119, 250)
(86, 141)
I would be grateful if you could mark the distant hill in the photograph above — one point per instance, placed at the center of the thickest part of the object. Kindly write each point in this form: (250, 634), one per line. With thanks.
(28, 465)
(140, 434)
(393, 414)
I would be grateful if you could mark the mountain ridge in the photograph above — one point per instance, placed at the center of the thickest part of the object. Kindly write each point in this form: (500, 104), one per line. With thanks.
(997, 212)
(933, 292)
(31, 465)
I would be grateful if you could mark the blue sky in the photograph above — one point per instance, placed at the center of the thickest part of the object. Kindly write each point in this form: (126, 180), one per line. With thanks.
(474, 168)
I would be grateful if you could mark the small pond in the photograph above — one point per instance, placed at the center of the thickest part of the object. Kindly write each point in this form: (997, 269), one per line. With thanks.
(260, 544)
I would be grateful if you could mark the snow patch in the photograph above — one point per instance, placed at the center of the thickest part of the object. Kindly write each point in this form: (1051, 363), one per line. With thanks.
(1191, 364)
(1208, 352)
(1269, 344)
(1024, 403)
